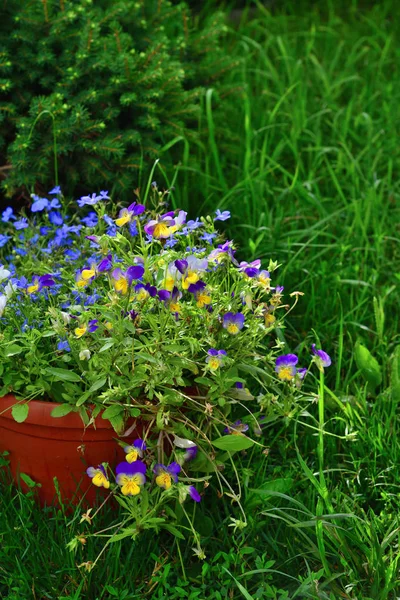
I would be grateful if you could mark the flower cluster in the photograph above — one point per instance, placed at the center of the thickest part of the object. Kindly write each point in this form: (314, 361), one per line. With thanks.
(141, 300)
(130, 475)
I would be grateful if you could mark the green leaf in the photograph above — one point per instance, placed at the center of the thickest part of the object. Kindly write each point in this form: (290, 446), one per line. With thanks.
(82, 399)
(20, 412)
(29, 481)
(62, 410)
(134, 412)
(121, 536)
(107, 346)
(64, 374)
(112, 411)
(13, 350)
(98, 384)
(174, 531)
(233, 443)
(368, 365)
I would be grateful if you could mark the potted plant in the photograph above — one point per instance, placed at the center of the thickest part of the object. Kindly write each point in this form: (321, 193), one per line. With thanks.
(135, 323)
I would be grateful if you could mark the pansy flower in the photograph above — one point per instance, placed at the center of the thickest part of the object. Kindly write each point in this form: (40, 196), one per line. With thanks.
(123, 279)
(171, 299)
(38, 283)
(264, 279)
(237, 428)
(215, 358)
(171, 277)
(89, 328)
(277, 296)
(224, 251)
(201, 293)
(180, 220)
(190, 269)
(145, 291)
(135, 451)
(130, 476)
(160, 228)
(233, 322)
(190, 447)
(166, 476)
(269, 317)
(127, 214)
(285, 366)
(321, 358)
(98, 476)
(193, 493)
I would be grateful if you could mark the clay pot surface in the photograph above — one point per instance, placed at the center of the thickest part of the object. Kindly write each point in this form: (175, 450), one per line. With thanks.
(45, 447)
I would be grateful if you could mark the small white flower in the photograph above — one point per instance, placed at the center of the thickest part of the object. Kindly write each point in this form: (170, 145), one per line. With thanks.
(3, 302)
(9, 289)
(182, 443)
(65, 317)
(4, 273)
(84, 354)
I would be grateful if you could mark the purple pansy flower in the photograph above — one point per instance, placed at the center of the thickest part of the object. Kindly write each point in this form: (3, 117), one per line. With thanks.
(38, 283)
(105, 264)
(98, 476)
(193, 493)
(321, 358)
(123, 279)
(130, 476)
(135, 451)
(165, 476)
(285, 366)
(233, 322)
(160, 228)
(215, 358)
(143, 291)
(237, 428)
(127, 214)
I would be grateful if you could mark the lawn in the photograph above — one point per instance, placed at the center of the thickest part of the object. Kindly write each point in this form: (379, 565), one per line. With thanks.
(302, 148)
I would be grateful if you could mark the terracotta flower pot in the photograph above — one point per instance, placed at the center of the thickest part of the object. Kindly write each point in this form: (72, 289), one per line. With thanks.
(45, 447)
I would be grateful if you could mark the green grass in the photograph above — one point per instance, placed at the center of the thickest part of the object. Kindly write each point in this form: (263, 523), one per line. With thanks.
(303, 149)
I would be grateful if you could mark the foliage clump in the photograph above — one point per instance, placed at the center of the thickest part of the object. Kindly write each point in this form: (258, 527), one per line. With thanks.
(101, 85)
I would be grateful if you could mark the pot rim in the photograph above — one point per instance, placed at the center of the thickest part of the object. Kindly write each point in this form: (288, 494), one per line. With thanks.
(40, 414)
